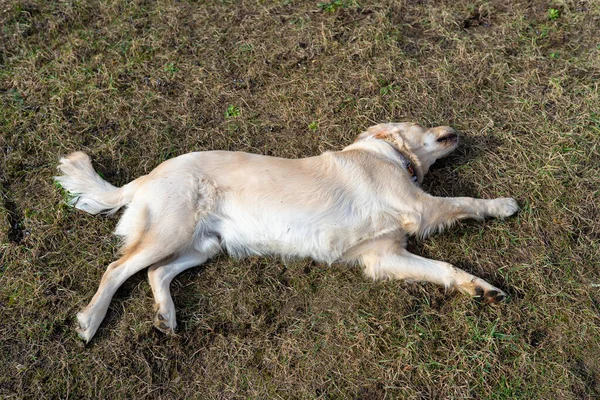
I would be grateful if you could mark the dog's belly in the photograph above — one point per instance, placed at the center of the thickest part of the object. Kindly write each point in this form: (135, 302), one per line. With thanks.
(295, 235)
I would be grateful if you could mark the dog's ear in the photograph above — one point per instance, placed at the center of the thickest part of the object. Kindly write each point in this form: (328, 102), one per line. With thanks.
(387, 132)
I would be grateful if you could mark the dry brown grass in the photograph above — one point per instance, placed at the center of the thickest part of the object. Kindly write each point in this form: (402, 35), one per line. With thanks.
(133, 83)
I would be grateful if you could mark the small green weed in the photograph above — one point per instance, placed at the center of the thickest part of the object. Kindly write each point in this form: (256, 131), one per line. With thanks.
(313, 126)
(246, 47)
(386, 89)
(334, 5)
(232, 112)
(171, 68)
(553, 14)
(17, 97)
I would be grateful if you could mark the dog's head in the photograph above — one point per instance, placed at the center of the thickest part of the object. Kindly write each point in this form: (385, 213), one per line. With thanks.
(423, 146)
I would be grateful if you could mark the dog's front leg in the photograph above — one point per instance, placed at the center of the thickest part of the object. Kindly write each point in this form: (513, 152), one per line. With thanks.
(440, 212)
(383, 263)
(468, 207)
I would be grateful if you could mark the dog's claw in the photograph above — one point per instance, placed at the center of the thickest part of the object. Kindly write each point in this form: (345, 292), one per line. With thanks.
(499, 297)
(478, 292)
(162, 326)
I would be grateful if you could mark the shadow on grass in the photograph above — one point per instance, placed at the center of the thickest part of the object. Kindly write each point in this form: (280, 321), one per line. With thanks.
(443, 178)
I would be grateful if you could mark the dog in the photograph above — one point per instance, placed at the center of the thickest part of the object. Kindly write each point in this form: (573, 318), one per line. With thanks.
(357, 205)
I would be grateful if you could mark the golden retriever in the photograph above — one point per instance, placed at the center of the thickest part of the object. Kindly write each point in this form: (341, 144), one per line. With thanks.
(356, 205)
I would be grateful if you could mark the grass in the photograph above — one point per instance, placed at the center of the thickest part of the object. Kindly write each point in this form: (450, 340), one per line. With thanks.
(133, 83)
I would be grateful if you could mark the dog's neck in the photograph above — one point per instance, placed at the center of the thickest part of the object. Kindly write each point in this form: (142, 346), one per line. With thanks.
(404, 159)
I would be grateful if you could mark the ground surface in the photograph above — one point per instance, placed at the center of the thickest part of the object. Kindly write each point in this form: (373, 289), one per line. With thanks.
(133, 83)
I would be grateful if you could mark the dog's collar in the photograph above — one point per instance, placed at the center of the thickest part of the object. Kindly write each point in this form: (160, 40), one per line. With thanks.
(408, 165)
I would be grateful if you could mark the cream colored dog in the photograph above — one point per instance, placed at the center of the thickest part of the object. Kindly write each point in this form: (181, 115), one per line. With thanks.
(356, 205)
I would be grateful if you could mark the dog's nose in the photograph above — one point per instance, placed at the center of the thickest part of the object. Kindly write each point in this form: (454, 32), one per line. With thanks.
(447, 134)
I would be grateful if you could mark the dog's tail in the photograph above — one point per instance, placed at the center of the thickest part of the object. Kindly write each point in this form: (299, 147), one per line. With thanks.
(89, 191)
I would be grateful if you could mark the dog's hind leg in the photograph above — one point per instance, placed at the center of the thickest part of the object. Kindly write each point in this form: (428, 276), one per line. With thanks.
(147, 242)
(160, 276)
(386, 262)
(146, 253)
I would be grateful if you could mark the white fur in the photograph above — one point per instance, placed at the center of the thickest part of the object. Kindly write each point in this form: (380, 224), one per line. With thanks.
(355, 205)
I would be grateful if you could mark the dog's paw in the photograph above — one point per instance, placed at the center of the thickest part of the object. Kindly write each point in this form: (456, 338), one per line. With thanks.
(505, 207)
(83, 327)
(489, 296)
(165, 322)
(482, 291)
